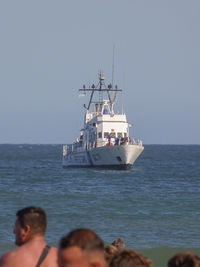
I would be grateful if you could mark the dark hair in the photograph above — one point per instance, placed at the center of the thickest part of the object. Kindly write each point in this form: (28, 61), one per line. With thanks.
(129, 258)
(35, 217)
(184, 259)
(85, 239)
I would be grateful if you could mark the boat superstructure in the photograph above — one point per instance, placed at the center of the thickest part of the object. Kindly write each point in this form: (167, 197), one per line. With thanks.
(104, 140)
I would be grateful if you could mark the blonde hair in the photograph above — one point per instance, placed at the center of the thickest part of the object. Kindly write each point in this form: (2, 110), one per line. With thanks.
(129, 258)
(109, 252)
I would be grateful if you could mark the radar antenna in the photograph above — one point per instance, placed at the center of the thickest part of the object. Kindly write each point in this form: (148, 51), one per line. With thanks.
(101, 88)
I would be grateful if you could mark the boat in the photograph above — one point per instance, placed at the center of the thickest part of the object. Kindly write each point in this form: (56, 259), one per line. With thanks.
(104, 140)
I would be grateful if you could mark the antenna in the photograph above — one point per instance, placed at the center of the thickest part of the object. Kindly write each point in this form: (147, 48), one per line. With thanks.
(115, 93)
(123, 85)
(113, 63)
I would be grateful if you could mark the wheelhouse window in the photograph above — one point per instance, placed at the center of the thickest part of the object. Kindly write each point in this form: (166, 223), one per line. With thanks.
(106, 134)
(100, 134)
(119, 135)
(112, 135)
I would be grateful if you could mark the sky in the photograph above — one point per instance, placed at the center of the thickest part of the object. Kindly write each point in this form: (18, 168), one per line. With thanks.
(49, 49)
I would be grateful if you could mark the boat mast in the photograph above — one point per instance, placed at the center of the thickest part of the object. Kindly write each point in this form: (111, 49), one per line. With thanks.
(101, 87)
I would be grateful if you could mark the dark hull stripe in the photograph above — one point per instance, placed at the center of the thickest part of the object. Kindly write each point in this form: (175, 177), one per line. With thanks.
(112, 167)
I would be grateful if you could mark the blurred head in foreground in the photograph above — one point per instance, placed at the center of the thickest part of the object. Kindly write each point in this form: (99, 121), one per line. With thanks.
(129, 258)
(81, 248)
(184, 259)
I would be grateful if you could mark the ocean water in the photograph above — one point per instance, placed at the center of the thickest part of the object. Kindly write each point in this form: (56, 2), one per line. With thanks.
(154, 207)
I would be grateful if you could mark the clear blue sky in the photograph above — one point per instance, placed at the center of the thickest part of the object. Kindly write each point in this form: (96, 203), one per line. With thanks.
(48, 49)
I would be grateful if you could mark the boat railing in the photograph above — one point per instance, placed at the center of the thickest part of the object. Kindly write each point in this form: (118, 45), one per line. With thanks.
(134, 142)
(124, 141)
(67, 149)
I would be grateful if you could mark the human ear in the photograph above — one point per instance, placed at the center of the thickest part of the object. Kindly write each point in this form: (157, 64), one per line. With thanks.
(26, 232)
(27, 228)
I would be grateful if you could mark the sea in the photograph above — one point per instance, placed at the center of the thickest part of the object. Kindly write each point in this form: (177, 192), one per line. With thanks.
(154, 206)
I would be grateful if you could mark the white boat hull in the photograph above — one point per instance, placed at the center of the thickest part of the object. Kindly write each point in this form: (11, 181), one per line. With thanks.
(120, 157)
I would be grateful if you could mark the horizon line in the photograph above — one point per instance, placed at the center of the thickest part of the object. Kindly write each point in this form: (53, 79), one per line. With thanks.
(148, 144)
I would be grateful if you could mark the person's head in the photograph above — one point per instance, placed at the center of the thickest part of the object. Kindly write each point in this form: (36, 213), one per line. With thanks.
(109, 252)
(184, 259)
(81, 248)
(119, 243)
(31, 221)
(129, 258)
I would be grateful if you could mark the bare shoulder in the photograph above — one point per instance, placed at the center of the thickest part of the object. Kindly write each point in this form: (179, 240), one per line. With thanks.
(53, 249)
(18, 257)
(51, 259)
(21, 257)
(53, 252)
(8, 259)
